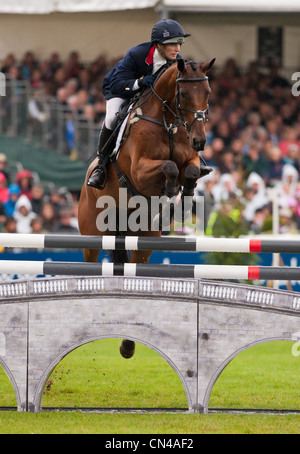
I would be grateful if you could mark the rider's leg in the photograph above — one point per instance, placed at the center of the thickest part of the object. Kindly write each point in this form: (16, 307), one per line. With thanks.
(97, 179)
(105, 146)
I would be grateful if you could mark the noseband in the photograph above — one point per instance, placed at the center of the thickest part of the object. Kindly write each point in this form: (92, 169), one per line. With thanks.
(199, 115)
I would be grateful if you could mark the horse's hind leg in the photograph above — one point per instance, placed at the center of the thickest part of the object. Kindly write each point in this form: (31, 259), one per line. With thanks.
(91, 255)
(127, 347)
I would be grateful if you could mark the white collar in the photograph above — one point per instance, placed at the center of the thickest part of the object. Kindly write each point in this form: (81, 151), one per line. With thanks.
(158, 61)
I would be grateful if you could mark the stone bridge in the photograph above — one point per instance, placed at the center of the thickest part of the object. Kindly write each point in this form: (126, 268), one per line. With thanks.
(197, 326)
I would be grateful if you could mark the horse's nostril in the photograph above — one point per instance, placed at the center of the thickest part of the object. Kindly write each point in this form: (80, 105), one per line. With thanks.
(198, 145)
(202, 145)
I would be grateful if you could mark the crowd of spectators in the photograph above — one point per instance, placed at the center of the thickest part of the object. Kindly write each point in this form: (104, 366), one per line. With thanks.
(77, 86)
(253, 143)
(27, 207)
(253, 133)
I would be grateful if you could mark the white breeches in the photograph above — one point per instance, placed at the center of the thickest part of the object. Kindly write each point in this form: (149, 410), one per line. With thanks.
(112, 108)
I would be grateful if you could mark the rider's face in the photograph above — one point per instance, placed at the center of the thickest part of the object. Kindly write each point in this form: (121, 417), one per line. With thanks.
(168, 51)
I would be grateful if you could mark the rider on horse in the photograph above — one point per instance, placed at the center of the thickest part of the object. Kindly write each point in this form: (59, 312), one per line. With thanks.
(134, 72)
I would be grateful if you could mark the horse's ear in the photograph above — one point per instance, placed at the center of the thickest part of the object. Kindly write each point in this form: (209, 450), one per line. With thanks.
(180, 64)
(208, 65)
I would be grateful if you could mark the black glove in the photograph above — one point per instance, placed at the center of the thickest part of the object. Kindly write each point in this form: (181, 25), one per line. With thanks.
(145, 81)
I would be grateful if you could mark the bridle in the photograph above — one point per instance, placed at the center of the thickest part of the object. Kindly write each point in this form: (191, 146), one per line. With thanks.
(199, 115)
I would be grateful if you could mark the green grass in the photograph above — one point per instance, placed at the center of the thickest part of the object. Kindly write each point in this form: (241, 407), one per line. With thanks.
(82, 423)
(266, 376)
(95, 375)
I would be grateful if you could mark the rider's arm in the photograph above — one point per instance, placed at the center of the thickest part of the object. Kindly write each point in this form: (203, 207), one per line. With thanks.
(124, 81)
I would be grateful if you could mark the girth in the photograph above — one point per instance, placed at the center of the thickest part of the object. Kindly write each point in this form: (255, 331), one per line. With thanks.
(125, 182)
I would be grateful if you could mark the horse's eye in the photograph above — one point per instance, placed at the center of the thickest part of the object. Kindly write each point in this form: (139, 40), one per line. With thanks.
(184, 94)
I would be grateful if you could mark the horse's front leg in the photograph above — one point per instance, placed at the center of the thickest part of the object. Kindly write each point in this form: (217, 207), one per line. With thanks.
(171, 172)
(191, 175)
(162, 220)
(153, 176)
(185, 205)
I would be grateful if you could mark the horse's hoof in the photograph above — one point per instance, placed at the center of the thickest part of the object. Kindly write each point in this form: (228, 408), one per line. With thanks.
(127, 348)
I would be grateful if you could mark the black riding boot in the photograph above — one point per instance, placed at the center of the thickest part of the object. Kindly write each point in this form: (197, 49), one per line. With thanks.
(97, 179)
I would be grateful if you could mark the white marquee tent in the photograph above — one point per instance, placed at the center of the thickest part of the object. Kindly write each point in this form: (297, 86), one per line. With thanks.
(48, 6)
(232, 5)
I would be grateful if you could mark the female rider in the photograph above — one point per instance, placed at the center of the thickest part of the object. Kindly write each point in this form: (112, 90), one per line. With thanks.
(134, 72)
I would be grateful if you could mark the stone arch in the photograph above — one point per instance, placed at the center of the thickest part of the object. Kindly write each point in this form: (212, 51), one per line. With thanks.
(37, 401)
(225, 363)
(13, 383)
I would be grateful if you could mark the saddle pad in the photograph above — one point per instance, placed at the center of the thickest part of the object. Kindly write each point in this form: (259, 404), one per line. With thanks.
(116, 150)
(123, 131)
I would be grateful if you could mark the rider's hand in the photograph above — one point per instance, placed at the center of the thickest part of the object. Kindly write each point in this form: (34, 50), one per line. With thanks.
(145, 81)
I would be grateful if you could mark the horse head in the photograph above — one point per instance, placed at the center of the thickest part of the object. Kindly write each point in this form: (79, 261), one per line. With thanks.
(192, 96)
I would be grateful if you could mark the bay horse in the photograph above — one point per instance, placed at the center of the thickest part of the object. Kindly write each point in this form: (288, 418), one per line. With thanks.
(160, 154)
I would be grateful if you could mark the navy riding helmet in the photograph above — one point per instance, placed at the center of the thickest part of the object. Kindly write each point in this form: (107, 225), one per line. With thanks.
(168, 31)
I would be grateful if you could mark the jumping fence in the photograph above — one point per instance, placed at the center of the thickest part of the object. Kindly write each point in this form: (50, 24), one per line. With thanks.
(195, 244)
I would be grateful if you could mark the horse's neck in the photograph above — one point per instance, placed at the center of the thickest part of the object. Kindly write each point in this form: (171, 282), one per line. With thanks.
(165, 88)
(166, 84)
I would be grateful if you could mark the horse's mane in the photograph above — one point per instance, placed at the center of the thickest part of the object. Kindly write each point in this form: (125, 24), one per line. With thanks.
(167, 70)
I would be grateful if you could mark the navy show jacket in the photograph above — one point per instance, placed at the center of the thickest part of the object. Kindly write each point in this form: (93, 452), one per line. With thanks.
(120, 79)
